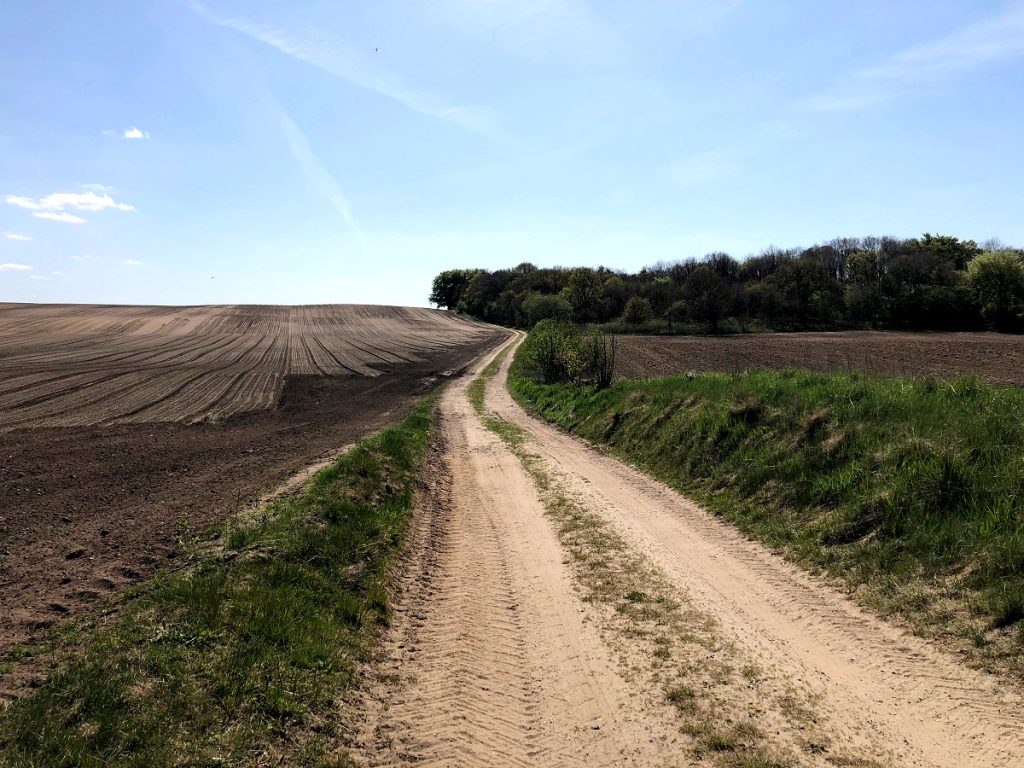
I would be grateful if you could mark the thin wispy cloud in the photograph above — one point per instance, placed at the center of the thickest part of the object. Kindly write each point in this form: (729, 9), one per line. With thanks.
(990, 42)
(348, 64)
(64, 217)
(15, 267)
(704, 168)
(544, 30)
(324, 182)
(97, 187)
(573, 46)
(131, 263)
(17, 236)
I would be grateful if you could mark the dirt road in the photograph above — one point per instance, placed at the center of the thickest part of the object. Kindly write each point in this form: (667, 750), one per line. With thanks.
(496, 661)
(501, 656)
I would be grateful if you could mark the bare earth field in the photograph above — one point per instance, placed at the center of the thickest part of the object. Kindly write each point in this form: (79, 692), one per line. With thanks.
(123, 429)
(995, 357)
(80, 365)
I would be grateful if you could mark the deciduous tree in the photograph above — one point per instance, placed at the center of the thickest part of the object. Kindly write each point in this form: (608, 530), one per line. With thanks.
(584, 292)
(450, 285)
(996, 280)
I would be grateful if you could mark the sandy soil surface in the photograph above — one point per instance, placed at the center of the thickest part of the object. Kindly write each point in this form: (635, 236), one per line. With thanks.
(87, 511)
(999, 358)
(491, 659)
(874, 683)
(81, 365)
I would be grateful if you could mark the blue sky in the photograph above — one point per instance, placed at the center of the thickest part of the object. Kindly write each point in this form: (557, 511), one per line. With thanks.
(182, 152)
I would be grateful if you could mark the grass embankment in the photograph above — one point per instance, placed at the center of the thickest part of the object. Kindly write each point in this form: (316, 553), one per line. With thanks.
(912, 492)
(245, 657)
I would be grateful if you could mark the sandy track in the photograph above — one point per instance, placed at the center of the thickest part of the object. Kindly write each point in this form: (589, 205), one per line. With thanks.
(495, 662)
(877, 684)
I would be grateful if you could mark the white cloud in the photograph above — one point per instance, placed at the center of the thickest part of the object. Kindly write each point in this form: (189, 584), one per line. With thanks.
(37, 277)
(996, 40)
(57, 273)
(17, 236)
(131, 263)
(79, 201)
(67, 218)
(346, 63)
(15, 268)
(126, 133)
(97, 187)
(54, 207)
(22, 202)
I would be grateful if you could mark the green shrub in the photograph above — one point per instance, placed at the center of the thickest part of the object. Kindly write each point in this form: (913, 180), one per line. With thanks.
(557, 352)
(638, 311)
(539, 306)
(996, 282)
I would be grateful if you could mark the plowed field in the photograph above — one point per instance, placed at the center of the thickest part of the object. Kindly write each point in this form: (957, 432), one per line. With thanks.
(999, 358)
(78, 365)
(125, 430)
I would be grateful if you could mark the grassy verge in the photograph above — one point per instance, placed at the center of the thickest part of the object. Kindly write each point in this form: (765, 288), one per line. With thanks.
(245, 657)
(910, 491)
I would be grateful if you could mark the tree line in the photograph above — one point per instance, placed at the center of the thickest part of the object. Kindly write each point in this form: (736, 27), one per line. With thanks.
(934, 282)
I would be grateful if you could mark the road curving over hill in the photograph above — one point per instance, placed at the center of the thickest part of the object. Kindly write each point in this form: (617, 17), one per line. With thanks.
(491, 660)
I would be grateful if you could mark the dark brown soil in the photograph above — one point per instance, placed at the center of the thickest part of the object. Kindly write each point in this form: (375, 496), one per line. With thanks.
(86, 511)
(995, 357)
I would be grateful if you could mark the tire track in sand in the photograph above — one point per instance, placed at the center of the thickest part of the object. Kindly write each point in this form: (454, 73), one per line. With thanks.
(874, 680)
(490, 660)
